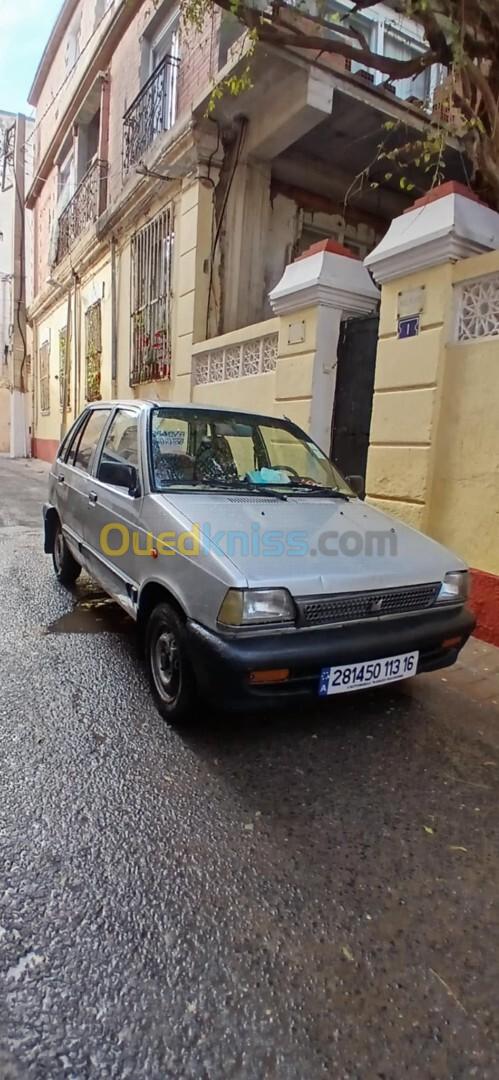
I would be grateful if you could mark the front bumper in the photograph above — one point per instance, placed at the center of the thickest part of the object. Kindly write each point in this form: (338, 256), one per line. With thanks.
(222, 663)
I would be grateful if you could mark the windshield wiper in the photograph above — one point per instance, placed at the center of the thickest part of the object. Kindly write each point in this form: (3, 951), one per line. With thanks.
(319, 489)
(230, 486)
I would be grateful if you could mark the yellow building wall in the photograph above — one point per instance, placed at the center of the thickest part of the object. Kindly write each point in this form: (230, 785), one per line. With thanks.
(434, 443)
(286, 391)
(48, 426)
(96, 286)
(465, 495)
(406, 403)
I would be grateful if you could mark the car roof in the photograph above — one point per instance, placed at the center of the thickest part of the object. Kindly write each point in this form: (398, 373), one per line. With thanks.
(148, 403)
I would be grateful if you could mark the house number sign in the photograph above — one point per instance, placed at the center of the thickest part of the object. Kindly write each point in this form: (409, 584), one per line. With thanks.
(408, 327)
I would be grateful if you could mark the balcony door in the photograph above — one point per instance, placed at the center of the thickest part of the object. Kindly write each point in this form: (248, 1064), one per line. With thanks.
(163, 70)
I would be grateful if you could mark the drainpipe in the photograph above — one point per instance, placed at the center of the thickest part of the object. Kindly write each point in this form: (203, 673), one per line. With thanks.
(114, 321)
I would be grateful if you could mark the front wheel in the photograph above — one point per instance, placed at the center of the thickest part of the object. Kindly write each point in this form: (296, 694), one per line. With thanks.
(170, 673)
(67, 570)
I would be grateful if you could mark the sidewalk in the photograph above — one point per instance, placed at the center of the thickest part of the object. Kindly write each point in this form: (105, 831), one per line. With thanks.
(476, 673)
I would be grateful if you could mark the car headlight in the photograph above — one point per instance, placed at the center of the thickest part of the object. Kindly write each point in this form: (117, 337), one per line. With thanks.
(455, 588)
(253, 607)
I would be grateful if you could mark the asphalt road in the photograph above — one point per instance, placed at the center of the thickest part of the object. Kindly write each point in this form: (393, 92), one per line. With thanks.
(295, 896)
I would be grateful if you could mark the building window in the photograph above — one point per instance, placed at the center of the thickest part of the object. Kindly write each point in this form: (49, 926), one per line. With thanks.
(154, 110)
(72, 45)
(66, 181)
(165, 42)
(93, 352)
(63, 371)
(44, 361)
(151, 286)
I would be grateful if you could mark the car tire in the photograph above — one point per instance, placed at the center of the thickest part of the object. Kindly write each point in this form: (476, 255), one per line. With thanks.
(170, 672)
(66, 568)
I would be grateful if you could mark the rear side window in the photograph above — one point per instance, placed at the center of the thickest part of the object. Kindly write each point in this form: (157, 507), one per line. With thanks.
(71, 438)
(83, 449)
(122, 440)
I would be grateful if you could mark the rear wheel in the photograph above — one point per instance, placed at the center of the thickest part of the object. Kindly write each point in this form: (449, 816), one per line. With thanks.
(170, 673)
(67, 570)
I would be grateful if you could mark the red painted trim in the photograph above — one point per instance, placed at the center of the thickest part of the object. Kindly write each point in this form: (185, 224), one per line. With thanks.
(45, 449)
(485, 605)
(327, 245)
(452, 187)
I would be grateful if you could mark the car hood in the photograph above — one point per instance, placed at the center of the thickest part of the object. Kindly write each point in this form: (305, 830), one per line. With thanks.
(313, 545)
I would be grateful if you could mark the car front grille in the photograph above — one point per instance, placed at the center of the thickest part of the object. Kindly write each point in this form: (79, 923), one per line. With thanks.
(347, 607)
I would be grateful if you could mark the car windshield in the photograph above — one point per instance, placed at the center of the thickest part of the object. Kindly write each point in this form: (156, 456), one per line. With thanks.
(200, 449)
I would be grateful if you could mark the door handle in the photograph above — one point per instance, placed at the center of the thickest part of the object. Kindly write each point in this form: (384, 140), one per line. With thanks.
(60, 478)
(92, 498)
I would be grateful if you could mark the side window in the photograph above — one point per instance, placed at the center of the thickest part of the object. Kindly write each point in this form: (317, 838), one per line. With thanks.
(69, 439)
(89, 439)
(121, 445)
(70, 444)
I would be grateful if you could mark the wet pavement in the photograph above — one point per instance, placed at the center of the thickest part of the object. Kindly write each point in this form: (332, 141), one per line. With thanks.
(302, 895)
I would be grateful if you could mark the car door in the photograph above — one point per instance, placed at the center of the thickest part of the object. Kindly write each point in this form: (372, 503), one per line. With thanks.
(113, 533)
(59, 486)
(72, 475)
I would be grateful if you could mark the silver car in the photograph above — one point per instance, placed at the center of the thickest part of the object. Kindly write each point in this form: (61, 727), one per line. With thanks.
(255, 572)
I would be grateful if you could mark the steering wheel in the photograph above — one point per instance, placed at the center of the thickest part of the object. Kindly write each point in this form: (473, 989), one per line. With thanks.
(288, 468)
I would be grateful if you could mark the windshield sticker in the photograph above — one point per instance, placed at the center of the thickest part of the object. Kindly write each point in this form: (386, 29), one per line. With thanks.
(171, 440)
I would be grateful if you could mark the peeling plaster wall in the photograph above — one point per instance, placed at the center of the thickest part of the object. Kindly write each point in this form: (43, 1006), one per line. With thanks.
(89, 22)
(45, 215)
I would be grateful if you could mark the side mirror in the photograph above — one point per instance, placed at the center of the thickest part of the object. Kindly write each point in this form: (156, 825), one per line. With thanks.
(357, 485)
(119, 474)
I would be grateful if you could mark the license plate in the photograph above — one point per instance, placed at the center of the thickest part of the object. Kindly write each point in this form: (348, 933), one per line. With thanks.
(339, 680)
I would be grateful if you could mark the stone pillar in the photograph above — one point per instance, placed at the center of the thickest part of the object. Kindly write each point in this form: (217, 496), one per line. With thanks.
(193, 246)
(323, 286)
(413, 263)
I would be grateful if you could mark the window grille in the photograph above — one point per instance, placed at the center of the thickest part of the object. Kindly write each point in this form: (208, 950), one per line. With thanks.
(93, 352)
(63, 345)
(478, 308)
(152, 268)
(44, 361)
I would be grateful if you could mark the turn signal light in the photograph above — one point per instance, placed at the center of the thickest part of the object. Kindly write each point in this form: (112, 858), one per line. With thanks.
(276, 675)
(451, 642)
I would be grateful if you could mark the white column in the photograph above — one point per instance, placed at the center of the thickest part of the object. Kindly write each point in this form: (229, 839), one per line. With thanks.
(331, 280)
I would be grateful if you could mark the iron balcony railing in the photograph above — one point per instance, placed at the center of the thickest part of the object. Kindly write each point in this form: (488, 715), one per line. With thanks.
(87, 203)
(154, 110)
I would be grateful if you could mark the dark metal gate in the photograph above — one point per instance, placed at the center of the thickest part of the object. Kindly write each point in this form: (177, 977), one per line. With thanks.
(354, 394)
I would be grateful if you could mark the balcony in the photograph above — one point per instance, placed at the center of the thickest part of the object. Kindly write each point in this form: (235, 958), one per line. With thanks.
(153, 111)
(87, 203)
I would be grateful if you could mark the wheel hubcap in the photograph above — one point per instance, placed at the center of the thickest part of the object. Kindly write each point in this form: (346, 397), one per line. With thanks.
(166, 666)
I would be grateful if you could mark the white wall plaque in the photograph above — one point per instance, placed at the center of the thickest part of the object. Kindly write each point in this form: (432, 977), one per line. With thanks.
(296, 332)
(411, 302)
